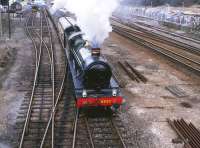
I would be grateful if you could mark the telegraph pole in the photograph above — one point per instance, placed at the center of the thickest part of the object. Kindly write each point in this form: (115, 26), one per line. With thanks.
(9, 25)
(183, 4)
(1, 30)
(5, 3)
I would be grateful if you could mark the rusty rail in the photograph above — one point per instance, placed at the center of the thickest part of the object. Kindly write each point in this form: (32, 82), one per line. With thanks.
(134, 74)
(129, 73)
(189, 134)
(139, 75)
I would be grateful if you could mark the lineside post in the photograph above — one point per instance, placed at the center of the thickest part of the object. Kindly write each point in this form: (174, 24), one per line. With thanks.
(9, 24)
(1, 9)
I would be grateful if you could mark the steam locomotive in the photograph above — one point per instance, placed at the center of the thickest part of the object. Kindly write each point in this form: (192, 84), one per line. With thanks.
(93, 82)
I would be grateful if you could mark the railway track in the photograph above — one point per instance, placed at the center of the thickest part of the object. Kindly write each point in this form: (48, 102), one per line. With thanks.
(132, 72)
(48, 116)
(171, 33)
(183, 55)
(158, 29)
(187, 132)
(101, 129)
(47, 86)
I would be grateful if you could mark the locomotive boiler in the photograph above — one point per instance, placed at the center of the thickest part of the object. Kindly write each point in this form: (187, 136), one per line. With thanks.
(92, 77)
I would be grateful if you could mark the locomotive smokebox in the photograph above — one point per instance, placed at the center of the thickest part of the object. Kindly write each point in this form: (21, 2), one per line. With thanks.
(97, 75)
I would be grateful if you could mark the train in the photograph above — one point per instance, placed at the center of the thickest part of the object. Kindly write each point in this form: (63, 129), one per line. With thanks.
(93, 82)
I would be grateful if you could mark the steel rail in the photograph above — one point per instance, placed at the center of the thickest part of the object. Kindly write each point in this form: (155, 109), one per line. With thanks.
(171, 33)
(75, 129)
(113, 127)
(139, 75)
(89, 132)
(38, 35)
(51, 59)
(45, 44)
(129, 73)
(33, 89)
(56, 102)
(187, 145)
(185, 133)
(118, 133)
(189, 132)
(53, 111)
(157, 40)
(32, 39)
(179, 43)
(156, 48)
(53, 76)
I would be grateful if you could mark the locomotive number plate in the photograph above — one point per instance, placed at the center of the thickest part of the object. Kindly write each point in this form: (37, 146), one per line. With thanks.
(106, 101)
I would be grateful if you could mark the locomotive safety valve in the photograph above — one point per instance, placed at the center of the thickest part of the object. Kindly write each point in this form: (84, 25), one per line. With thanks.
(114, 92)
(84, 94)
(96, 52)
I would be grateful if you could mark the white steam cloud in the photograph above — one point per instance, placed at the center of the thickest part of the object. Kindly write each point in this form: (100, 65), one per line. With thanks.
(92, 16)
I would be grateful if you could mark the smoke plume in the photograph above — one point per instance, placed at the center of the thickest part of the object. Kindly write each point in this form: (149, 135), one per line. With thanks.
(92, 16)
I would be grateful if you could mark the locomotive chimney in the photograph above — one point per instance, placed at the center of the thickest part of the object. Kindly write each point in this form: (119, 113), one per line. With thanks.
(96, 52)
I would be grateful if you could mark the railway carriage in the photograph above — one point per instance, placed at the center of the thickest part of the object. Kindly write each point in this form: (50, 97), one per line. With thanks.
(94, 84)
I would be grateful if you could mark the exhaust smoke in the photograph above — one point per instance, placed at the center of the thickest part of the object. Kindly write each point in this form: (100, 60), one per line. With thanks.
(92, 17)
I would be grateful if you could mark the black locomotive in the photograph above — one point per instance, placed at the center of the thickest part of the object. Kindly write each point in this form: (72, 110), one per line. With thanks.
(93, 81)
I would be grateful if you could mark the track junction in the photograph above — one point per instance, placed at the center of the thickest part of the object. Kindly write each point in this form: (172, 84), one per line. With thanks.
(48, 116)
